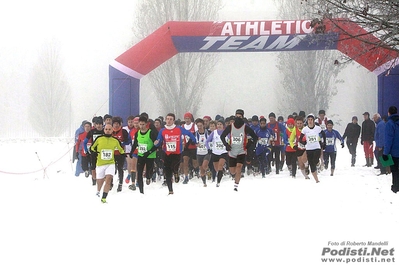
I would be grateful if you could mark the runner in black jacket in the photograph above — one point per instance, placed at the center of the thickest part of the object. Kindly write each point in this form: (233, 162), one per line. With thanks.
(352, 133)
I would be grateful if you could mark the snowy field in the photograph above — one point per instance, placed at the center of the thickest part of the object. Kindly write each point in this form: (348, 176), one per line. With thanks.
(54, 218)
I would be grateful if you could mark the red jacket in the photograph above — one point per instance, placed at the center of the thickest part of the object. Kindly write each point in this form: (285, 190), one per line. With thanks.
(79, 143)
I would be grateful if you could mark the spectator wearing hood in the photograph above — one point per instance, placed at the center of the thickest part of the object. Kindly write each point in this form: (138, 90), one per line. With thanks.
(379, 141)
(391, 145)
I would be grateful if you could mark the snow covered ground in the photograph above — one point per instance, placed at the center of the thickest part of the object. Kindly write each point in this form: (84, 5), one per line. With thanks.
(54, 218)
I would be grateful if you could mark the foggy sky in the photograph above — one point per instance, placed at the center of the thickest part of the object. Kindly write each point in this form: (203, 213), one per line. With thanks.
(92, 34)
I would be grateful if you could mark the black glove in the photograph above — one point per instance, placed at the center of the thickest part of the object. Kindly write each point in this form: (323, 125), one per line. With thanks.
(295, 147)
(146, 154)
(131, 154)
(322, 145)
(385, 157)
(228, 147)
(249, 144)
(77, 155)
(302, 141)
(342, 145)
(361, 142)
(209, 151)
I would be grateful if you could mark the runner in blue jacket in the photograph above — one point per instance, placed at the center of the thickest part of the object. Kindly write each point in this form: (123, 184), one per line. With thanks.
(330, 151)
(263, 146)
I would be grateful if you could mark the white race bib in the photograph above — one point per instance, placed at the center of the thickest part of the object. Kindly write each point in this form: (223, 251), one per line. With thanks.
(142, 148)
(329, 141)
(106, 155)
(263, 141)
(171, 146)
(201, 147)
(219, 146)
(236, 140)
(311, 139)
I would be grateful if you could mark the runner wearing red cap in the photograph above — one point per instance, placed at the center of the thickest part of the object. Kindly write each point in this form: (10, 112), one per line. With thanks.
(206, 119)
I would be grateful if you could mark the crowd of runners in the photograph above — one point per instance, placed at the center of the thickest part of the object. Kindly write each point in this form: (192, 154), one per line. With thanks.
(171, 150)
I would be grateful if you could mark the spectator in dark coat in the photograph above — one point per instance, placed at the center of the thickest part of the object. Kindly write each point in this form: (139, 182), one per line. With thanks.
(352, 133)
(368, 129)
(379, 141)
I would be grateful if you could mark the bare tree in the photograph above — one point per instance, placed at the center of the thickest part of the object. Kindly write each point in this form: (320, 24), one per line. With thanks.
(8, 102)
(379, 18)
(180, 82)
(309, 77)
(50, 106)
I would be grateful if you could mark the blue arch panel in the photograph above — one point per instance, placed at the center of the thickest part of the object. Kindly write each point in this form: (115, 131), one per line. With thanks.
(388, 90)
(123, 94)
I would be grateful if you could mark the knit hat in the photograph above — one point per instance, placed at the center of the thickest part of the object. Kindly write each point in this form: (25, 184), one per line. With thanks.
(310, 115)
(240, 111)
(207, 117)
(189, 115)
(272, 115)
(330, 122)
(98, 120)
(291, 121)
(255, 118)
(354, 117)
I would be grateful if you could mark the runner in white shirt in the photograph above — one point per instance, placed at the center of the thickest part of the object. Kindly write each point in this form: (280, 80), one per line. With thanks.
(219, 152)
(203, 157)
(310, 137)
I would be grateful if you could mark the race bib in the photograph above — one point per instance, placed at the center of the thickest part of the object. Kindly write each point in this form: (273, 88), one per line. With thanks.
(142, 148)
(329, 141)
(171, 146)
(263, 141)
(311, 139)
(201, 147)
(106, 155)
(219, 146)
(301, 146)
(236, 140)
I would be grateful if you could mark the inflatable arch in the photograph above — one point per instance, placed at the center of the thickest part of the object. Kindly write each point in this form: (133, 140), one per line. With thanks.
(175, 37)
